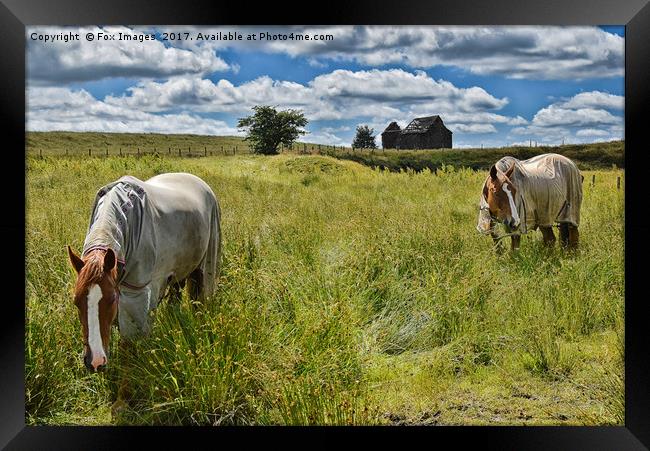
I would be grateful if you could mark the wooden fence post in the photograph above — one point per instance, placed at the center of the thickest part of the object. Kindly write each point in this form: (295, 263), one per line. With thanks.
(205, 151)
(89, 152)
(618, 182)
(179, 151)
(593, 180)
(120, 151)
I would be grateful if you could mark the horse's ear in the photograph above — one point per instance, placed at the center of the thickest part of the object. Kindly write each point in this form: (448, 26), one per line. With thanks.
(77, 263)
(109, 260)
(510, 169)
(493, 172)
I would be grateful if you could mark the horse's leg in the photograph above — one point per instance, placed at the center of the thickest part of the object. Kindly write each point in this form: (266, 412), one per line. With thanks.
(124, 393)
(549, 236)
(195, 284)
(175, 291)
(573, 237)
(515, 240)
(498, 247)
(564, 234)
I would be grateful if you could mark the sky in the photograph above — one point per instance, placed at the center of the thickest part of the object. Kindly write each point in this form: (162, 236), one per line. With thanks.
(492, 86)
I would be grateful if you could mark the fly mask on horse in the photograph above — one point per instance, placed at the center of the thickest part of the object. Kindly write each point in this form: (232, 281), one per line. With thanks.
(142, 237)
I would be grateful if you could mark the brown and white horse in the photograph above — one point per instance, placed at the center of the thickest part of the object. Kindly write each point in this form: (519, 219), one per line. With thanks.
(530, 194)
(144, 240)
(96, 296)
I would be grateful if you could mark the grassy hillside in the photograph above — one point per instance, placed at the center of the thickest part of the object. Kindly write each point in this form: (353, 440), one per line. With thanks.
(587, 156)
(348, 296)
(78, 143)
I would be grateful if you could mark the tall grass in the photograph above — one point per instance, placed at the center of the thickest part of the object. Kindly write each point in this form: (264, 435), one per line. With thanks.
(347, 296)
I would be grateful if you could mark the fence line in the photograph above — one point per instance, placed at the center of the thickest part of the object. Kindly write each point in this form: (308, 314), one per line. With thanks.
(233, 149)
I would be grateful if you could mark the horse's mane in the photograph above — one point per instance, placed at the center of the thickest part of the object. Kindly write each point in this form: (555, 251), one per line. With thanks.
(92, 271)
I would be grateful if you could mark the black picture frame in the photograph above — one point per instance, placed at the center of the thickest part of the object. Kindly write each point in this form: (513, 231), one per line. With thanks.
(16, 14)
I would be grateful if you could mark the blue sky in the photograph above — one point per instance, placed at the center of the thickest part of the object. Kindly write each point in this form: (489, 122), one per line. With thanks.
(492, 86)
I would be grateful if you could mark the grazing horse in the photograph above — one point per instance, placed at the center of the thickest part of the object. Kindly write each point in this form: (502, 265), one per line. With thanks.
(530, 194)
(143, 239)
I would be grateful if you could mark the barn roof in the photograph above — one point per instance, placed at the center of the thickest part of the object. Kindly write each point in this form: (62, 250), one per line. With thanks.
(392, 127)
(421, 124)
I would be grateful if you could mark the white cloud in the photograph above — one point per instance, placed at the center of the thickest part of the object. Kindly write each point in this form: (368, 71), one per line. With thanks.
(371, 97)
(577, 119)
(60, 62)
(531, 52)
(342, 128)
(595, 99)
(556, 115)
(582, 118)
(517, 121)
(545, 134)
(51, 108)
(472, 128)
(380, 96)
(592, 132)
(341, 94)
(324, 137)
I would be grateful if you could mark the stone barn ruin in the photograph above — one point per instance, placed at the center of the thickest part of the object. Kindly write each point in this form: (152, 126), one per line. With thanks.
(422, 133)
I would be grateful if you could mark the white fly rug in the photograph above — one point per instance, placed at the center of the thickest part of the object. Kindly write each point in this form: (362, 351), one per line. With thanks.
(549, 190)
(161, 230)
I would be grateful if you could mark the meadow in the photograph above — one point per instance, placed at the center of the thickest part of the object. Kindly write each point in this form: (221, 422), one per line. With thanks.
(348, 295)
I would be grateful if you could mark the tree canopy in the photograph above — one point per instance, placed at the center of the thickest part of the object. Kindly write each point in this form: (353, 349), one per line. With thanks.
(365, 138)
(268, 128)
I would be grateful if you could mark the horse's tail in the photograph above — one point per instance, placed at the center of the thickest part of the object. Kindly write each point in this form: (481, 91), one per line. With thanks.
(216, 237)
(213, 254)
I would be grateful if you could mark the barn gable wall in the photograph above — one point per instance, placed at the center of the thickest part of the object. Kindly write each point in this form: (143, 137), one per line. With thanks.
(389, 139)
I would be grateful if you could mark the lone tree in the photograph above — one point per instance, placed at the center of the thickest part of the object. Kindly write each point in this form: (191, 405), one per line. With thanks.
(268, 128)
(365, 138)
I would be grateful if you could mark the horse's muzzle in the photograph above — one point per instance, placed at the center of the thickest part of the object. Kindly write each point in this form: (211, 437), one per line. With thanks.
(88, 363)
(511, 224)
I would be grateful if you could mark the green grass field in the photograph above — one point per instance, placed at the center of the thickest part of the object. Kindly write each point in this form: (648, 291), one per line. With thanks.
(603, 155)
(119, 144)
(347, 296)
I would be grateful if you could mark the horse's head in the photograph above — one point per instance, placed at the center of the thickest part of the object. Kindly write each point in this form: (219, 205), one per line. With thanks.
(500, 193)
(95, 295)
